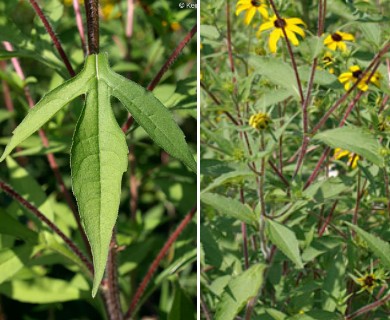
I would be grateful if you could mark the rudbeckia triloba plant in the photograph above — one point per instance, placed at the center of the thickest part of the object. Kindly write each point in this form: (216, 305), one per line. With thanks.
(99, 158)
(292, 208)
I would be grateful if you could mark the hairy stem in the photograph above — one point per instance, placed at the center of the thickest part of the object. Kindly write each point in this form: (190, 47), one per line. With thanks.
(30, 207)
(156, 262)
(113, 300)
(50, 157)
(367, 308)
(92, 13)
(172, 58)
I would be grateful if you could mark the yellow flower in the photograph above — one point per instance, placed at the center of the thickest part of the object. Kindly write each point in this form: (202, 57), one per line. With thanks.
(260, 121)
(252, 6)
(368, 282)
(353, 158)
(327, 61)
(175, 26)
(336, 40)
(376, 78)
(108, 9)
(289, 24)
(349, 78)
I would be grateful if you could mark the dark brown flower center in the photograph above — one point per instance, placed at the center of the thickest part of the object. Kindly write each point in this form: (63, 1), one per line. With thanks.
(280, 23)
(256, 3)
(369, 281)
(327, 59)
(336, 37)
(357, 74)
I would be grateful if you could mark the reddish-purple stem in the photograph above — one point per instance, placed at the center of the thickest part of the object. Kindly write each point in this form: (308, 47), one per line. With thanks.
(172, 58)
(367, 308)
(113, 301)
(156, 262)
(345, 95)
(53, 37)
(79, 23)
(328, 219)
(16, 196)
(50, 157)
(129, 21)
(244, 233)
(290, 52)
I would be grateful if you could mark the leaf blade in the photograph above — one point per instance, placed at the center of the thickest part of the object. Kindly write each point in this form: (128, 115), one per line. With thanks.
(285, 240)
(379, 247)
(46, 108)
(239, 291)
(98, 161)
(150, 113)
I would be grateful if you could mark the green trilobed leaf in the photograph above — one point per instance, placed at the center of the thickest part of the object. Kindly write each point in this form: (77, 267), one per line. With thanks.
(98, 161)
(99, 150)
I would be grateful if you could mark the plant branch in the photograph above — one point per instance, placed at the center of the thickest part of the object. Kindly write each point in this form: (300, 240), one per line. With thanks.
(345, 95)
(30, 207)
(290, 52)
(53, 37)
(113, 302)
(172, 58)
(92, 13)
(79, 23)
(156, 262)
(367, 308)
(50, 157)
(130, 16)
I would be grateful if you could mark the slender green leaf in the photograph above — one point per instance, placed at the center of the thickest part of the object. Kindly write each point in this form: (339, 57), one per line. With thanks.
(229, 207)
(285, 240)
(98, 161)
(379, 247)
(354, 140)
(239, 291)
(150, 114)
(46, 108)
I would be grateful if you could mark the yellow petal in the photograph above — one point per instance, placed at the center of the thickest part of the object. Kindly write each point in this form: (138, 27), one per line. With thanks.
(362, 85)
(297, 29)
(292, 37)
(344, 77)
(294, 21)
(263, 11)
(354, 68)
(242, 8)
(346, 36)
(266, 25)
(332, 46)
(249, 15)
(328, 40)
(342, 46)
(273, 39)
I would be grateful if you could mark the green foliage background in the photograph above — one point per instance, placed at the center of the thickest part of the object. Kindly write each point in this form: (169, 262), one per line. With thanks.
(37, 279)
(308, 273)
